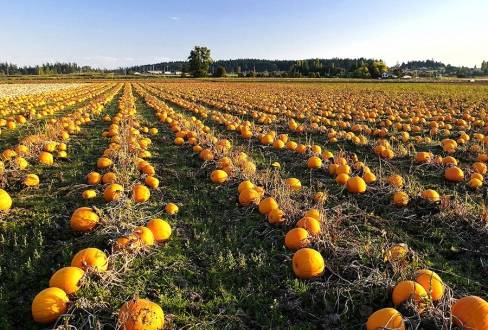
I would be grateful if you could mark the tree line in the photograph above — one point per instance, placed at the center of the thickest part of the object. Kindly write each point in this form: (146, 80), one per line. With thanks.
(200, 64)
(45, 69)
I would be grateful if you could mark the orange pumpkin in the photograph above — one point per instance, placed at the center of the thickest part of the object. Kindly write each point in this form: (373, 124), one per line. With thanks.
(161, 229)
(83, 219)
(140, 193)
(141, 314)
(90, 258)
(145, 235)
(312, 225)
(49, 304)
(219, 176)
(297, 238)
(431, 282)
(308, 263)
(471, 312)
(267, 205)
(67, 279)
(385, 318)
(406, 290)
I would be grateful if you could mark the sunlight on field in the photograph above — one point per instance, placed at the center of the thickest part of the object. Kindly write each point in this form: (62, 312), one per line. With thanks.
(199, 204)
(13, 90)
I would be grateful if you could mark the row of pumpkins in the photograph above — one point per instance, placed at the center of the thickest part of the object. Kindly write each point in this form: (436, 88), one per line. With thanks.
(43, 145)
(308, 263)
(33, 107)
(436, 126)
(382, 148)
(338, 167)
(356, 184)
(54, 301)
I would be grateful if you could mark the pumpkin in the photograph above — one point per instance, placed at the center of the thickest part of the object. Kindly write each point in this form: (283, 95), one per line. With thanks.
(206, 154)
(430, 195)
(179, 141)
(90, 258)
(385, 318)
(332, 169)
(470, 312)
(21, 163)
(406, 290)
(145, 235)
(151, 182)
(84, 219)
(5, 200)
(141, 314)
(396, 181)
(46, 158)
(49, 146)
(67, 279)
(140, 193)
(369, 177)
(449, 160)
(93, 178)
(312, 225)
(246, 184)
(400, 198)
(308, 263)
(31, 180)
(171, 208)
(454, 174)
(109, 177)
(104, 162)
(314, 162)
(219, 176)
(276, 216)
(423, 157)
(89, 194)
(49, 304)
(148, 169)
(480, 168)
(388, 154)
(224, 162)
(278, 144)
(431, 282)
(161, 229)
(342, 179)
(343, 168)
(477, 176)
(475, 183)
(313, 213)
(112, 192)
(267, 205)
(297, 238)
(293, 184)
(249, 196)
(356, 185)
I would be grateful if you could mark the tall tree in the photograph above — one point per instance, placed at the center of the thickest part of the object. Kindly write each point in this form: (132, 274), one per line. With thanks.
(199, 61)
(377, 68)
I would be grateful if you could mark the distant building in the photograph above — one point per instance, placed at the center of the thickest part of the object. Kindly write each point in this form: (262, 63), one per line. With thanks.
(407, 77)
(155, 72)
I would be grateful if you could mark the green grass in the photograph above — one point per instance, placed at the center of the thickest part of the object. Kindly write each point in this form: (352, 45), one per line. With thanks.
(35, 235)
(225, 267)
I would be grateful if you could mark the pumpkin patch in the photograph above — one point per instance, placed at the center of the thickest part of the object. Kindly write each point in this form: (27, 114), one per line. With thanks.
(233, 205)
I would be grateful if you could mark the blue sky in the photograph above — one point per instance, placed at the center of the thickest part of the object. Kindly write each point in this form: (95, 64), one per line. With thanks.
(121, 33)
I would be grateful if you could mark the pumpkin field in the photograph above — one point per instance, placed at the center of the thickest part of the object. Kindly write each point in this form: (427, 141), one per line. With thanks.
(226, 204)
